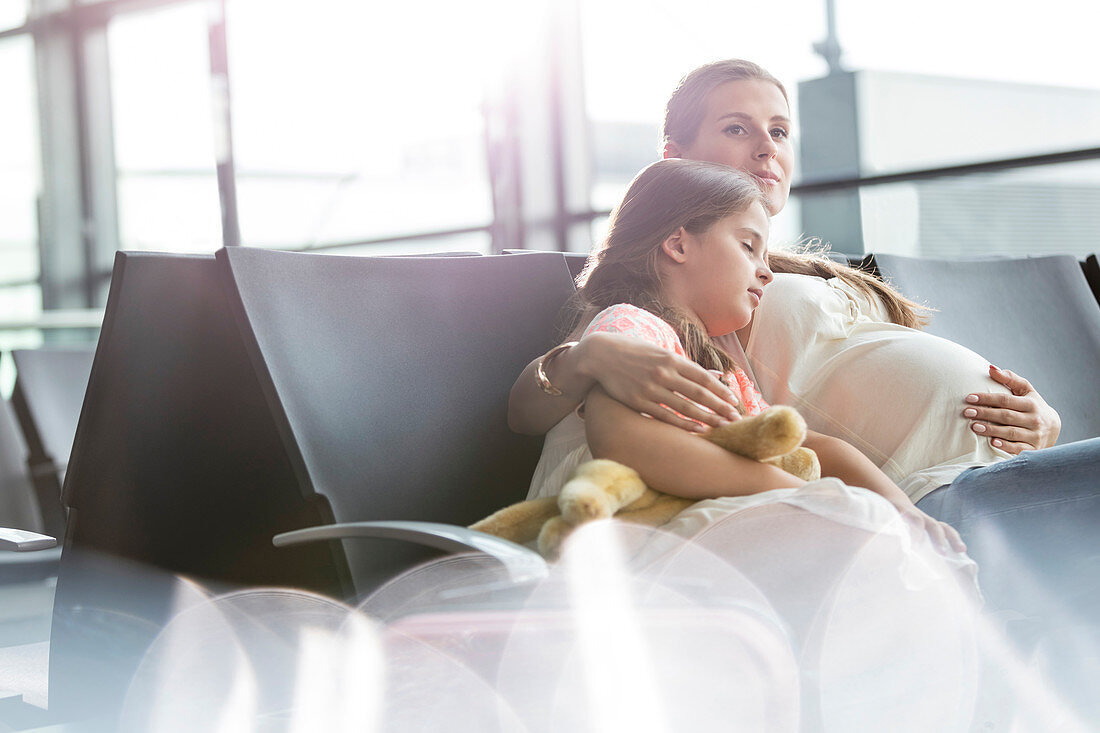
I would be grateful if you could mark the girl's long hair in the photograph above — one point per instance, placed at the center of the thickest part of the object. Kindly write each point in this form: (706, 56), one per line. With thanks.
(683, 117)
(662, 198)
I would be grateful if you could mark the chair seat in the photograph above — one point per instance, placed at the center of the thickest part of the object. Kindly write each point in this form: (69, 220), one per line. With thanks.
(24, 567)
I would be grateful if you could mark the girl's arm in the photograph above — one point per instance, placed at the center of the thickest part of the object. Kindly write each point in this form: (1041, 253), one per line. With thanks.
(639, 374)
(843, 461)
(670, 459)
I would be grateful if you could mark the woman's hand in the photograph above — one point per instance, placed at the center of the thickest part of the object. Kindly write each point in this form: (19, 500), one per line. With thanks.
(640, 375)
(1016, 422)
(656, 382)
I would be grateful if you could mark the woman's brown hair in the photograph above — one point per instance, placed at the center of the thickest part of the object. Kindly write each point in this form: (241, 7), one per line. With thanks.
(662, 198)
(683, 118)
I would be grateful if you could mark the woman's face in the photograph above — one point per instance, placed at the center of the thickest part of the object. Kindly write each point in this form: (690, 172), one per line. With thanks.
(747, 125)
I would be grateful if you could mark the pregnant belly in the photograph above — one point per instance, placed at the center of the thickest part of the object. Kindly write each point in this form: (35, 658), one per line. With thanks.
(898, 396)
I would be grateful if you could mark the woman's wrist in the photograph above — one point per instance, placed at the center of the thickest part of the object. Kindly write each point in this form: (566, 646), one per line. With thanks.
(543, 365)
(567, 371)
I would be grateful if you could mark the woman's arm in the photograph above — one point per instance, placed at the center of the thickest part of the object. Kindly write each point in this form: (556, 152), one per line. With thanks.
(1016, 422)
(842, 460)
(641, 375)
(670, 459)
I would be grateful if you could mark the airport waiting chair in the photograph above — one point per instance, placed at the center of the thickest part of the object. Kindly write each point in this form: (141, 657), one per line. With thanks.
(390, 377)
(1034, 315)
(18, 505)
(47, 396)
(576, 261)
(180, 468)
(177, 472)
(1091, 268)
(19, 508)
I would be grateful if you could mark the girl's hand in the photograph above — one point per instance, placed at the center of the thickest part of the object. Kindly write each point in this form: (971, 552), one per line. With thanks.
(1016, 422)
(655, 381)
(944, 537)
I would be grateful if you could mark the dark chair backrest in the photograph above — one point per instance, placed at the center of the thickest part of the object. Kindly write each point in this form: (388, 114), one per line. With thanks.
(390, 378)
(18, 508)
(1091, 268)
(575, 260)
(177, 468)
(1033, 315)
(48, 393)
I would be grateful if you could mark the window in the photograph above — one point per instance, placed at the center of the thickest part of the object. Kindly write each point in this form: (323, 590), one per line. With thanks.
(1043, 210)
(20, 293)
(634, 60)
(164, 130)
(1002, 83)
(13, 13)
(358, 121)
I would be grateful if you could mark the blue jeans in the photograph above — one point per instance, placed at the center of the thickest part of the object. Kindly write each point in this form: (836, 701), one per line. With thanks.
(1032, 523)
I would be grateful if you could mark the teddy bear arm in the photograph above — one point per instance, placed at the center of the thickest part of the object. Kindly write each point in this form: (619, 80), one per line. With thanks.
(658, 511)
(551, 537)
(774, 432)
(519, 522)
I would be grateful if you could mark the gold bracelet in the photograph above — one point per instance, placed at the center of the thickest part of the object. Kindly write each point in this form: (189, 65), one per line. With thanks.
(540, 369)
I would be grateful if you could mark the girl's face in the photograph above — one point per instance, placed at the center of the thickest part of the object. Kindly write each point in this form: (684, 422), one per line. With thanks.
(747, 126)
(723, 271)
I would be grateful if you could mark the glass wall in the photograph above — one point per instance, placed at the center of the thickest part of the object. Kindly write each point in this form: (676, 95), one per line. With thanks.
(20, 293)
(164, 130)
(429, 126)
(1031, 211)
(358, 121)
(633, 60)
(13, 13)
(1000, 83)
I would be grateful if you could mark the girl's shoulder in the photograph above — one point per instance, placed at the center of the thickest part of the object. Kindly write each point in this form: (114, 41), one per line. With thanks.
(633, 321)
(751, 399)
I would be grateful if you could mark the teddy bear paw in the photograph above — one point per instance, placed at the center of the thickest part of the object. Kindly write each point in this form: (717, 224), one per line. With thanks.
(584, 501)
(553, 534)
(801, 462)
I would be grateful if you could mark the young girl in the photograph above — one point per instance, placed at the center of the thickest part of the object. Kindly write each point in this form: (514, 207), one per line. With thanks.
(685, 262)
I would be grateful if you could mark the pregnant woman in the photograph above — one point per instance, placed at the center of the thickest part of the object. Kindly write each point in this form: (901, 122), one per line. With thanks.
(934, 416)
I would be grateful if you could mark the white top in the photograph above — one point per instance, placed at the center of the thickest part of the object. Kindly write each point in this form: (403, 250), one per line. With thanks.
(895, 393)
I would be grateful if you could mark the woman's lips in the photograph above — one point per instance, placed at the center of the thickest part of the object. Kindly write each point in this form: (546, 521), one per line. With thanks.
(767, 179)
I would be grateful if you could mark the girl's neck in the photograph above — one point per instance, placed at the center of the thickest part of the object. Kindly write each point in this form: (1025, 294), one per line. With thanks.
(744, 333)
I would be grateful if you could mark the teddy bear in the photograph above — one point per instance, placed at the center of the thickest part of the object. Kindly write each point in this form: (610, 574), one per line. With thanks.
(601, 488)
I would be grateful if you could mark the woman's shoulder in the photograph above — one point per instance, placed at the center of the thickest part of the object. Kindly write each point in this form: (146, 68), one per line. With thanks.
(807, 286)
(799, 295)
(634, 321)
